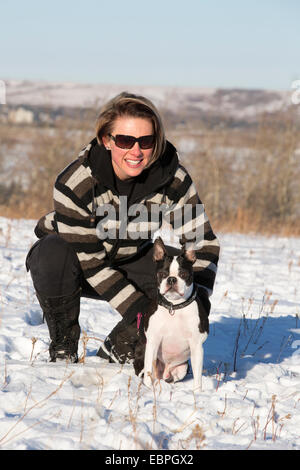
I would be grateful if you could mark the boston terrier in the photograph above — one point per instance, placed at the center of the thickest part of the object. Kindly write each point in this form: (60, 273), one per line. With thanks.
(176, 327)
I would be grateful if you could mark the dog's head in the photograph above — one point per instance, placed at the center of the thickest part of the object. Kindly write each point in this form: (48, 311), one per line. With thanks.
(174, 273)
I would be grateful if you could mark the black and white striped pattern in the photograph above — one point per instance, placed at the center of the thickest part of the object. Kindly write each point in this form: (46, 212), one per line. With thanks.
(75, 192)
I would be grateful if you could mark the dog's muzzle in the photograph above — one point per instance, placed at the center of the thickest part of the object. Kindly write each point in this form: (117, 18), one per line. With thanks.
(172, 280)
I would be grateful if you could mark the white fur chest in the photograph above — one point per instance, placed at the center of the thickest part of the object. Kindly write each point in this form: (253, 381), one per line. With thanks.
(174, 333)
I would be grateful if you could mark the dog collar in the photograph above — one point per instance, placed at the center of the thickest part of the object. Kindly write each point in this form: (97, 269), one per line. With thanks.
(172, 307)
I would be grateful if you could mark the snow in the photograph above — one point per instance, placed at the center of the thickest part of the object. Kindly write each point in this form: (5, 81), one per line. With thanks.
(27, 92)
(68, 94)
(251, 380)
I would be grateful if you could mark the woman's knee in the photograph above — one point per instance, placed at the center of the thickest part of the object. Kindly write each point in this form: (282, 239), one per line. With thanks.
(53, 265)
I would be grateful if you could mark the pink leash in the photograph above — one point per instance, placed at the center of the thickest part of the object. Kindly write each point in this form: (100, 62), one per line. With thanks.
(139, 317)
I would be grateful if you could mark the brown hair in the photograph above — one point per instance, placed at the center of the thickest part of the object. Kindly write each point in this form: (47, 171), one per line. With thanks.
(126, 104)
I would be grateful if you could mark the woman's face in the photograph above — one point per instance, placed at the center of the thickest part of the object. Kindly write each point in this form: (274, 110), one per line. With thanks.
(128, 163)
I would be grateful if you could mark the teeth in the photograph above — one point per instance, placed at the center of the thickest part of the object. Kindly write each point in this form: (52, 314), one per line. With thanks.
(133, 162)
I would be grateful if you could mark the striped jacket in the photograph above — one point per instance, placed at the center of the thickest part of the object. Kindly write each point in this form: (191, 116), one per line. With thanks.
(87, 186)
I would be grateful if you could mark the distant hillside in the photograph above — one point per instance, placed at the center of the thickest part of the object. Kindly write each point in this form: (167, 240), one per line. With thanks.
(234, 103)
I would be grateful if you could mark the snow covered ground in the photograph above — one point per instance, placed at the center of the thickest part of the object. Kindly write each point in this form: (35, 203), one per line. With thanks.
(251, 383)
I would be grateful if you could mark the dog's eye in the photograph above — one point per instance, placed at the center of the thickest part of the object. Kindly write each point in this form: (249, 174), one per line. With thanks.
(183, 274)
(162, 274)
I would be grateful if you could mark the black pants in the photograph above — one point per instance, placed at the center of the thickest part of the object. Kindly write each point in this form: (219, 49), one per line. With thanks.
(56, 271)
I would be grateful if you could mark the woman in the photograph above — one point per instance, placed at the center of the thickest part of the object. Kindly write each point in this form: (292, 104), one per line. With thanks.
(94, 245)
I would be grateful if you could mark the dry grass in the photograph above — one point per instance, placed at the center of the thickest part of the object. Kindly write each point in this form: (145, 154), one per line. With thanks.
(6, 437)
(246, 177)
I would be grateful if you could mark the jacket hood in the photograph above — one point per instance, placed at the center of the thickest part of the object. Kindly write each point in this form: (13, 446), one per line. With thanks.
(149, 181)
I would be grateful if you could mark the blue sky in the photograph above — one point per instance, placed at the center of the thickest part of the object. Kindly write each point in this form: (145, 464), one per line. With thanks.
(204, 43)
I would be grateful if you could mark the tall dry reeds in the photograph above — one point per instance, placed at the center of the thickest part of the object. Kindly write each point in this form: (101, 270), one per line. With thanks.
(34, 173)
(248, 179)
(247, 176)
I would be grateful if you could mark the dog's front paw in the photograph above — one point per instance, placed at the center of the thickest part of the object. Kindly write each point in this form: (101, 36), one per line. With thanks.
(197, 388)
(148, 380)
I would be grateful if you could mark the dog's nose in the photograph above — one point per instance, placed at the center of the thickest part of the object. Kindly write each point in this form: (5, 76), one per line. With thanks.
(172, 280)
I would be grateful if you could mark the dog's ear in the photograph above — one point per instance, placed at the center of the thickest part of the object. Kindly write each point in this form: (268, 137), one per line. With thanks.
(189, 253)
(159, 250)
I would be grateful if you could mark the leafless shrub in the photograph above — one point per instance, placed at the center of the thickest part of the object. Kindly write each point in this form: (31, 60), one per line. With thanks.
(246, 176)
(248, 179)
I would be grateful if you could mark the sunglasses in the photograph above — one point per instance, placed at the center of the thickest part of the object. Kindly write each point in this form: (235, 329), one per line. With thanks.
(128, 141)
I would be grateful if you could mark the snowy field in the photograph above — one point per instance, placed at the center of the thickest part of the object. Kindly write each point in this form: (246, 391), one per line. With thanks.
(251, 381)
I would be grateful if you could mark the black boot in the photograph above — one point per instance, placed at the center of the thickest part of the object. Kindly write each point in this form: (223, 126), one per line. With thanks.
(119, 345)
(61, 315)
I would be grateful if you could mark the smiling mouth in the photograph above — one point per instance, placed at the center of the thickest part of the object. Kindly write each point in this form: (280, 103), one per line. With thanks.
(133, 163)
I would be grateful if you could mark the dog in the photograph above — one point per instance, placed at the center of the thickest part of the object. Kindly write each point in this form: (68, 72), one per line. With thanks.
(177, 325)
